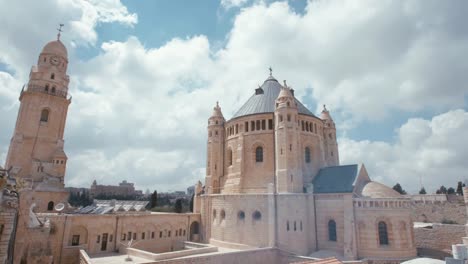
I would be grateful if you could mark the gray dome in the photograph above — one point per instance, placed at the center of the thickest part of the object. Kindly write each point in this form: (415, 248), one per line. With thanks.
(263, 101)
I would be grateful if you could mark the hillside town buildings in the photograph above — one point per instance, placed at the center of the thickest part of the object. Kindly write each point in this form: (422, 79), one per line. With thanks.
(274, 191)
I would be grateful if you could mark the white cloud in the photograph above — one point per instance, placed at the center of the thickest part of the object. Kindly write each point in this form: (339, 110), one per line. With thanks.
(139, 113)
(227, 4)
(434, 151)
(29, 25)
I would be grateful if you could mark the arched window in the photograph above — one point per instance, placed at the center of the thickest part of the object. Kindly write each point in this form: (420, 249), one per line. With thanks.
(257, 215)
(45, 115)
(259, 154)
(241, 215)
(47, 88)
(53, 89)
(223, 214)
(287, 225)
(229, 157)
(332, 230)
(307, 155)
(50, 206)
(383, 234)
(52, 76)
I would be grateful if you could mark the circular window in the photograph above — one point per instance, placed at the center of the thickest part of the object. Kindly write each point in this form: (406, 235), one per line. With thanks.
(241, 215)
(257, 215)
(223, 214)
(214, 213)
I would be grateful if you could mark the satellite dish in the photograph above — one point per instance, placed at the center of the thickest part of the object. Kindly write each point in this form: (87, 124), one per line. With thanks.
(59, 207)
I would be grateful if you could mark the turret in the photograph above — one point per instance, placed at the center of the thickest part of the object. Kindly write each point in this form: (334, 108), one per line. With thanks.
(329, 136)
(196, 198)
(215, 151)
(288, 166)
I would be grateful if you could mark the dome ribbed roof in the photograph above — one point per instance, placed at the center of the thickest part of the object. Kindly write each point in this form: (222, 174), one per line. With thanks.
(265, 102)
(55, 47)
(377, 190)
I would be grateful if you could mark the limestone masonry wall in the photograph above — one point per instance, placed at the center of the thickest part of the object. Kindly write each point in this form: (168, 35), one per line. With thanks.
(437, 212)
(440, 236)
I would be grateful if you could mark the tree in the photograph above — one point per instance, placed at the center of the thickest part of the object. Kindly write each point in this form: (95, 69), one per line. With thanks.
(450, 190)
(153, 202)
(191, 203)
(178, 206)
(422, 191)
(399, 189)
(460, 188)
(442, 190)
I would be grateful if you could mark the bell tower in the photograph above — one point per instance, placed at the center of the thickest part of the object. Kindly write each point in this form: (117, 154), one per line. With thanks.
(36, 151)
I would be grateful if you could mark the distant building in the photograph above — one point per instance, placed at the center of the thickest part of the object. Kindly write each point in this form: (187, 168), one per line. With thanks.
(124, 188)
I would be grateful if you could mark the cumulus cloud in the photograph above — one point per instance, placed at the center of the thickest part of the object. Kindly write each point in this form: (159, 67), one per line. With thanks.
(139, 113)
(28, 26)
(432, 152)
(227, 4)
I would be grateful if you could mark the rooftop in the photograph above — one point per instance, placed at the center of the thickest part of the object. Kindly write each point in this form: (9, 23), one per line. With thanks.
(263, 101)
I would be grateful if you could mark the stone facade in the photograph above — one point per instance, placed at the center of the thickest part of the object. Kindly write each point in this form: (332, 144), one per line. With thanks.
(438, 211)
(259, 186)
(439, 236)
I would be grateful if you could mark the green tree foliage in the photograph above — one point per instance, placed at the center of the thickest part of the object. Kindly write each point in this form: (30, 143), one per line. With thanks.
(153, 200)
(78, 200)
(460, 188)
(178, 206)
(442, 190)
(450, 190)
(422, 191)
(399, 189)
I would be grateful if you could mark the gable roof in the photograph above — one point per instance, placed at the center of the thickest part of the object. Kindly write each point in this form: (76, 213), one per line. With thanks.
(336, 179)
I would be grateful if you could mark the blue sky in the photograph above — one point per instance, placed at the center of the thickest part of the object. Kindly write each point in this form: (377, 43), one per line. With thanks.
(145, 75)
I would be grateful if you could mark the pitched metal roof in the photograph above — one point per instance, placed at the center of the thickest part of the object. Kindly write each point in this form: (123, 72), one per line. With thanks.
(336, 179)
(112, 206)
(265, 102)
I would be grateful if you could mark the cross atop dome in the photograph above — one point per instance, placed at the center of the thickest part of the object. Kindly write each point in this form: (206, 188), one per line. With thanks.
(271, 71)
(59, 31)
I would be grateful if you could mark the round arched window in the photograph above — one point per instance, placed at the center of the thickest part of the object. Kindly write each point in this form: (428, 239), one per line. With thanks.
(259, 154)
(223, 214)
(214, 213)
(241, 215)
(257, 215)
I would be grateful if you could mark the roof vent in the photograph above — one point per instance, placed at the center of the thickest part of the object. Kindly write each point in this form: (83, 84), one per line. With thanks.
(259, 90)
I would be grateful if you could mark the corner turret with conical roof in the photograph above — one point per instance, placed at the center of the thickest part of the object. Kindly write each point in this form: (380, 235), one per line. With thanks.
(215, 150)
(288, 163)
(329, 135)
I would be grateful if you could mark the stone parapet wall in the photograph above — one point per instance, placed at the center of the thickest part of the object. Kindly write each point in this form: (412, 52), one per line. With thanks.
(438, 212)
(263, 255)
(440, 236)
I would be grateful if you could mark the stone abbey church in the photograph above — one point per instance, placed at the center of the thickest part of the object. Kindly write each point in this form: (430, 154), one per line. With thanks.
(274, 187)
